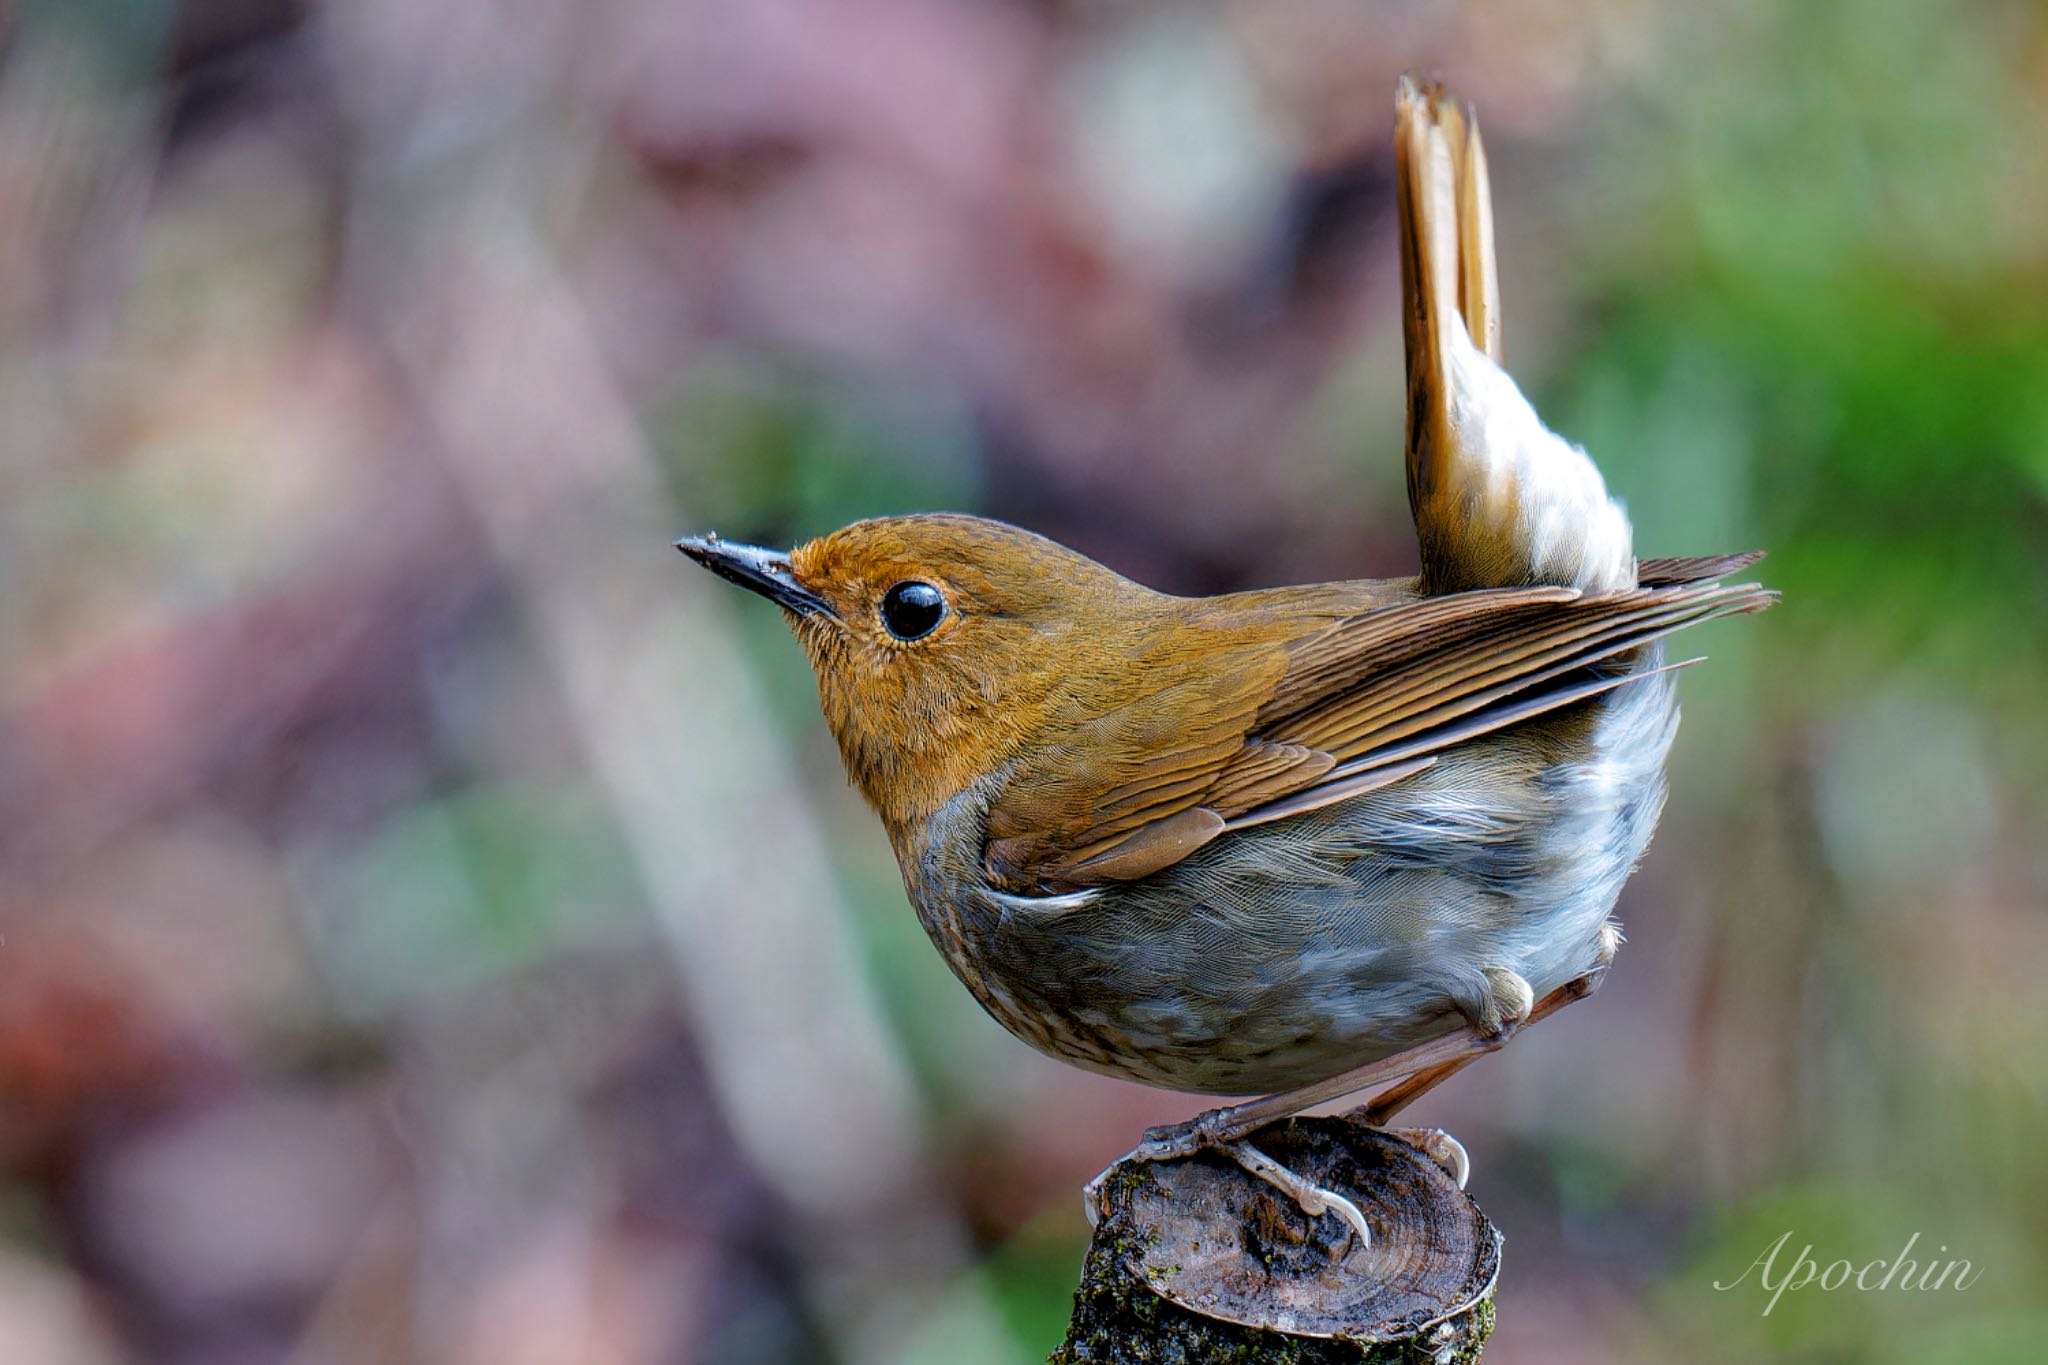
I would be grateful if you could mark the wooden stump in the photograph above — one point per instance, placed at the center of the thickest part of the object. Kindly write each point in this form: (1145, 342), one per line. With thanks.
(1197, 1261)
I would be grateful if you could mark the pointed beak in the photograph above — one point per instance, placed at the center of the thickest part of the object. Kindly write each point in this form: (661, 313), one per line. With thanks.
(764, 571)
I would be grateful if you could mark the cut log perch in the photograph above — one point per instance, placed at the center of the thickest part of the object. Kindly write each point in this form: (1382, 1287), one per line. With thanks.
(1197, 1261)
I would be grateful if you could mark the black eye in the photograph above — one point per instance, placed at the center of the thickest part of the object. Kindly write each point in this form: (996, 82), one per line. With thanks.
(912, 610)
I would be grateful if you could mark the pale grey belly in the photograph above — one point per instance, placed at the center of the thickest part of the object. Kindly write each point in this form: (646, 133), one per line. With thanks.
(1288, 952)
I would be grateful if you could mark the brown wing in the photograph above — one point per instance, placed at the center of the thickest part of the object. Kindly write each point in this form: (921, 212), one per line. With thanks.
(1655, 573)
(1248, 715)
(1284, 720)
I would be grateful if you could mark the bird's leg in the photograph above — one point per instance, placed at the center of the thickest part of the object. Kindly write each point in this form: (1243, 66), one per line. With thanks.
(1377, 1111)
(1380, 1110)
(1314, 1200)
(1225, 1129)
(1415, 1072)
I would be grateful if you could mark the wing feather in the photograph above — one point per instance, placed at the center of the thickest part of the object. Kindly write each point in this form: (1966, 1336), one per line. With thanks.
(1353, 705)
(1264, 706)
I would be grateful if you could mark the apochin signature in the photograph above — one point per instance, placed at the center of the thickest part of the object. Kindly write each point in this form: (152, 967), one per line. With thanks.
(1900, 1272)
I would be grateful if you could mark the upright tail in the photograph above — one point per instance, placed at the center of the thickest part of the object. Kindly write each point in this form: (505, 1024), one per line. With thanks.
(1499, 499)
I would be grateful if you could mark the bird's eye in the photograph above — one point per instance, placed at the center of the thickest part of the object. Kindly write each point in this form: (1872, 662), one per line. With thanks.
(912, 610)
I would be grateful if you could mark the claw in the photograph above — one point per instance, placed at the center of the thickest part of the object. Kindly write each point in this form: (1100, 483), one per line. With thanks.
(1170, 1144)
(1440, 1147)
(1160, 1144)
(1092, 1202)
(1315, 1200)
(1333, 1202)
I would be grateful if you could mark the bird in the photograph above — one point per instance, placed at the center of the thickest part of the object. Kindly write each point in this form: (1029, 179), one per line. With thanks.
(1291, 843)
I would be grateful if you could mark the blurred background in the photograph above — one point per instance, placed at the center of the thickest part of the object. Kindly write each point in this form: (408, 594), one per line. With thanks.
(433, 924)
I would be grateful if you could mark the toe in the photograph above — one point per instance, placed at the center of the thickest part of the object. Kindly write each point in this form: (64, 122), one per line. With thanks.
(1315, 1200)
(1353, 1216)
(1440, 1147)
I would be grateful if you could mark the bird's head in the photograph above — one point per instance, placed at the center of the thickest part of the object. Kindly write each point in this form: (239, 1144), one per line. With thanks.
(942, 644)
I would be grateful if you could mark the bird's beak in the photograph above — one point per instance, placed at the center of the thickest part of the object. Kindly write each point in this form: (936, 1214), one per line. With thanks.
(764, 571)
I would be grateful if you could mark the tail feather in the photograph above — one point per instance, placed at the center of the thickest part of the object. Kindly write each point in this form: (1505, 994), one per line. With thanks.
(1499, 499)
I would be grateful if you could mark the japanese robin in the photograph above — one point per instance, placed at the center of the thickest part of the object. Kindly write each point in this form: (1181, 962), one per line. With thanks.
(1294, 842)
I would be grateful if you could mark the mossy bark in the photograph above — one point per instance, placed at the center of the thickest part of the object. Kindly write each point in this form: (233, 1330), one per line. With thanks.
(1197, 1261)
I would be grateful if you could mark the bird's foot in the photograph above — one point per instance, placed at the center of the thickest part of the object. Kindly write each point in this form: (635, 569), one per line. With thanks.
(1314, 1200)
(1168, 1143)
(1440, 1147)
(1212, 1130)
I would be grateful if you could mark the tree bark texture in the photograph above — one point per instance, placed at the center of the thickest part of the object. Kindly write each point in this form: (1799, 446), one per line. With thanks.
(1197, 1262)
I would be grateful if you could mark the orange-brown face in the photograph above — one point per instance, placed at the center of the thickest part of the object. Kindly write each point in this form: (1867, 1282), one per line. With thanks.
(941, 644)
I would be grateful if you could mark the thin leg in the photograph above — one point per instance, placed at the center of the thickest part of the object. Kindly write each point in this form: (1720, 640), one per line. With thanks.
(1381, 1108)
(1415, 1072)
(1384, 1106)
(1226, 1128)
(1233, 1121)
